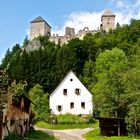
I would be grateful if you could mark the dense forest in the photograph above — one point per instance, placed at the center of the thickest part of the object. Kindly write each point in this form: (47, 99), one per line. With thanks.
(108, 63)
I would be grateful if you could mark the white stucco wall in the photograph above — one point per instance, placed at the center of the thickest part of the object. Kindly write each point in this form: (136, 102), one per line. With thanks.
(58, 98)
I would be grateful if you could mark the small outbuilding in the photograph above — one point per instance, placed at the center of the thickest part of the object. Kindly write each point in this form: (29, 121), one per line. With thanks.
(112, 127)
(15, 117)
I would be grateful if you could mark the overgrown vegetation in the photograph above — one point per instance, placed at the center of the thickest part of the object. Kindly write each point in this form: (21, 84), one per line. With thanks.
(17, 90)
(107, 63)
(3, 89)
(66, 126)
(12, 136)
(40, 104)
(32, 135)
(74, 119)
(68, 121)
(39, 135)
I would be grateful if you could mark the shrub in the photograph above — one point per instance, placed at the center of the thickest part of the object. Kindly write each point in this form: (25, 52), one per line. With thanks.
(74, 119)
(52, 119)
(12, 136)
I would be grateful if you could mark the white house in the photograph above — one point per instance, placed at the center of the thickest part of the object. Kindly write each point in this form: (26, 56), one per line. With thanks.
(71, 96)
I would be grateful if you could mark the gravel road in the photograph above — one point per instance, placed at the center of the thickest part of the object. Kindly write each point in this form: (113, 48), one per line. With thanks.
(71, 134)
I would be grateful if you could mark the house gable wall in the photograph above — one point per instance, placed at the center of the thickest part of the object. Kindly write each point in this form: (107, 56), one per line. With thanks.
(71, 83)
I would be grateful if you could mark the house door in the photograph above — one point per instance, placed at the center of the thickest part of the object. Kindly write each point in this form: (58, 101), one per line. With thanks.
(1, 121)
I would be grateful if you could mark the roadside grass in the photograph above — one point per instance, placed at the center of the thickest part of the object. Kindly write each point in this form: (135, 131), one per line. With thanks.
(66, 126)
(39, 135)
(94, 135)
(32, 135)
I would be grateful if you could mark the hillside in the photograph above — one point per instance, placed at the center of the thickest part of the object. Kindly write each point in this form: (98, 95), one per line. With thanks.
(108, 63)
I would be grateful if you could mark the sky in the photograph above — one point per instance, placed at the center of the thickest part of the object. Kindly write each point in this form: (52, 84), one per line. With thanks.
(16, 15)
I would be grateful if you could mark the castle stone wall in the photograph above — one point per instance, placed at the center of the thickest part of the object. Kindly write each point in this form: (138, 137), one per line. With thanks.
(39, 28)
(108, 22)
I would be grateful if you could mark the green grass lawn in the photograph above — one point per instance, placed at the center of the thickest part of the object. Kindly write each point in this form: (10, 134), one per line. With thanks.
(65, 126)
(39, 135)
(94, 135)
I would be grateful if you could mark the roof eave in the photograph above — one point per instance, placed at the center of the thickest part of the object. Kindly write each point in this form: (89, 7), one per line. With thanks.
(108, 15)
(40, 21)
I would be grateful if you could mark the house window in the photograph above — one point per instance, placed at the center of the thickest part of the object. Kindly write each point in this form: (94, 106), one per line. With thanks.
(83, 105)
(72, 105)
(77, 91)
(59, 108)
(65, 92)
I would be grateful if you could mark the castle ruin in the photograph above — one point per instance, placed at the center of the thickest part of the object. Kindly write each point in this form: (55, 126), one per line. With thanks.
(40, 27)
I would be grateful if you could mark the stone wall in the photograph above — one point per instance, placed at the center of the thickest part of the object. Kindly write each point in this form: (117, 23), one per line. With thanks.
(39, 28)
(108, 22)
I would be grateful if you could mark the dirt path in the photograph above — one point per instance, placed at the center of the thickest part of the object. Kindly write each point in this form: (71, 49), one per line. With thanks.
(71, 134)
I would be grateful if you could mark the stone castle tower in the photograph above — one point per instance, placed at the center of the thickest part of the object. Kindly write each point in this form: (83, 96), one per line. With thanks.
(69, 31)
(39, 27)
(108, 20)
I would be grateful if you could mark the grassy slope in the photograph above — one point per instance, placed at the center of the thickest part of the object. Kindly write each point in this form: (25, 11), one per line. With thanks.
(39, 135)
(94, 135)
(66, 126)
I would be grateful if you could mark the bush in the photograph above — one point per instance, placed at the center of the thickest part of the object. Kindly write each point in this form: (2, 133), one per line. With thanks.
(74, 119)
(12, 137)
(52, 119)
(91, 120)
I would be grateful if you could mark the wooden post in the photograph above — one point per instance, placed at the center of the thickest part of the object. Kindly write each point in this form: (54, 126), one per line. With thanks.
(1, 122)
(119, 133)
(100, 126)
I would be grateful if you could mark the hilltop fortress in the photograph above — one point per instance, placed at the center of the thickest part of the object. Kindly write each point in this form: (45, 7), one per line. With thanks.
(40, 27)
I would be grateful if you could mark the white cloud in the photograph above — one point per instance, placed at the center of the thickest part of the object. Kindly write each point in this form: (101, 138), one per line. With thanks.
(125, 10)
(122, 18)
(121, 4)
(28, 32)
(79, 20)
(139, 15)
